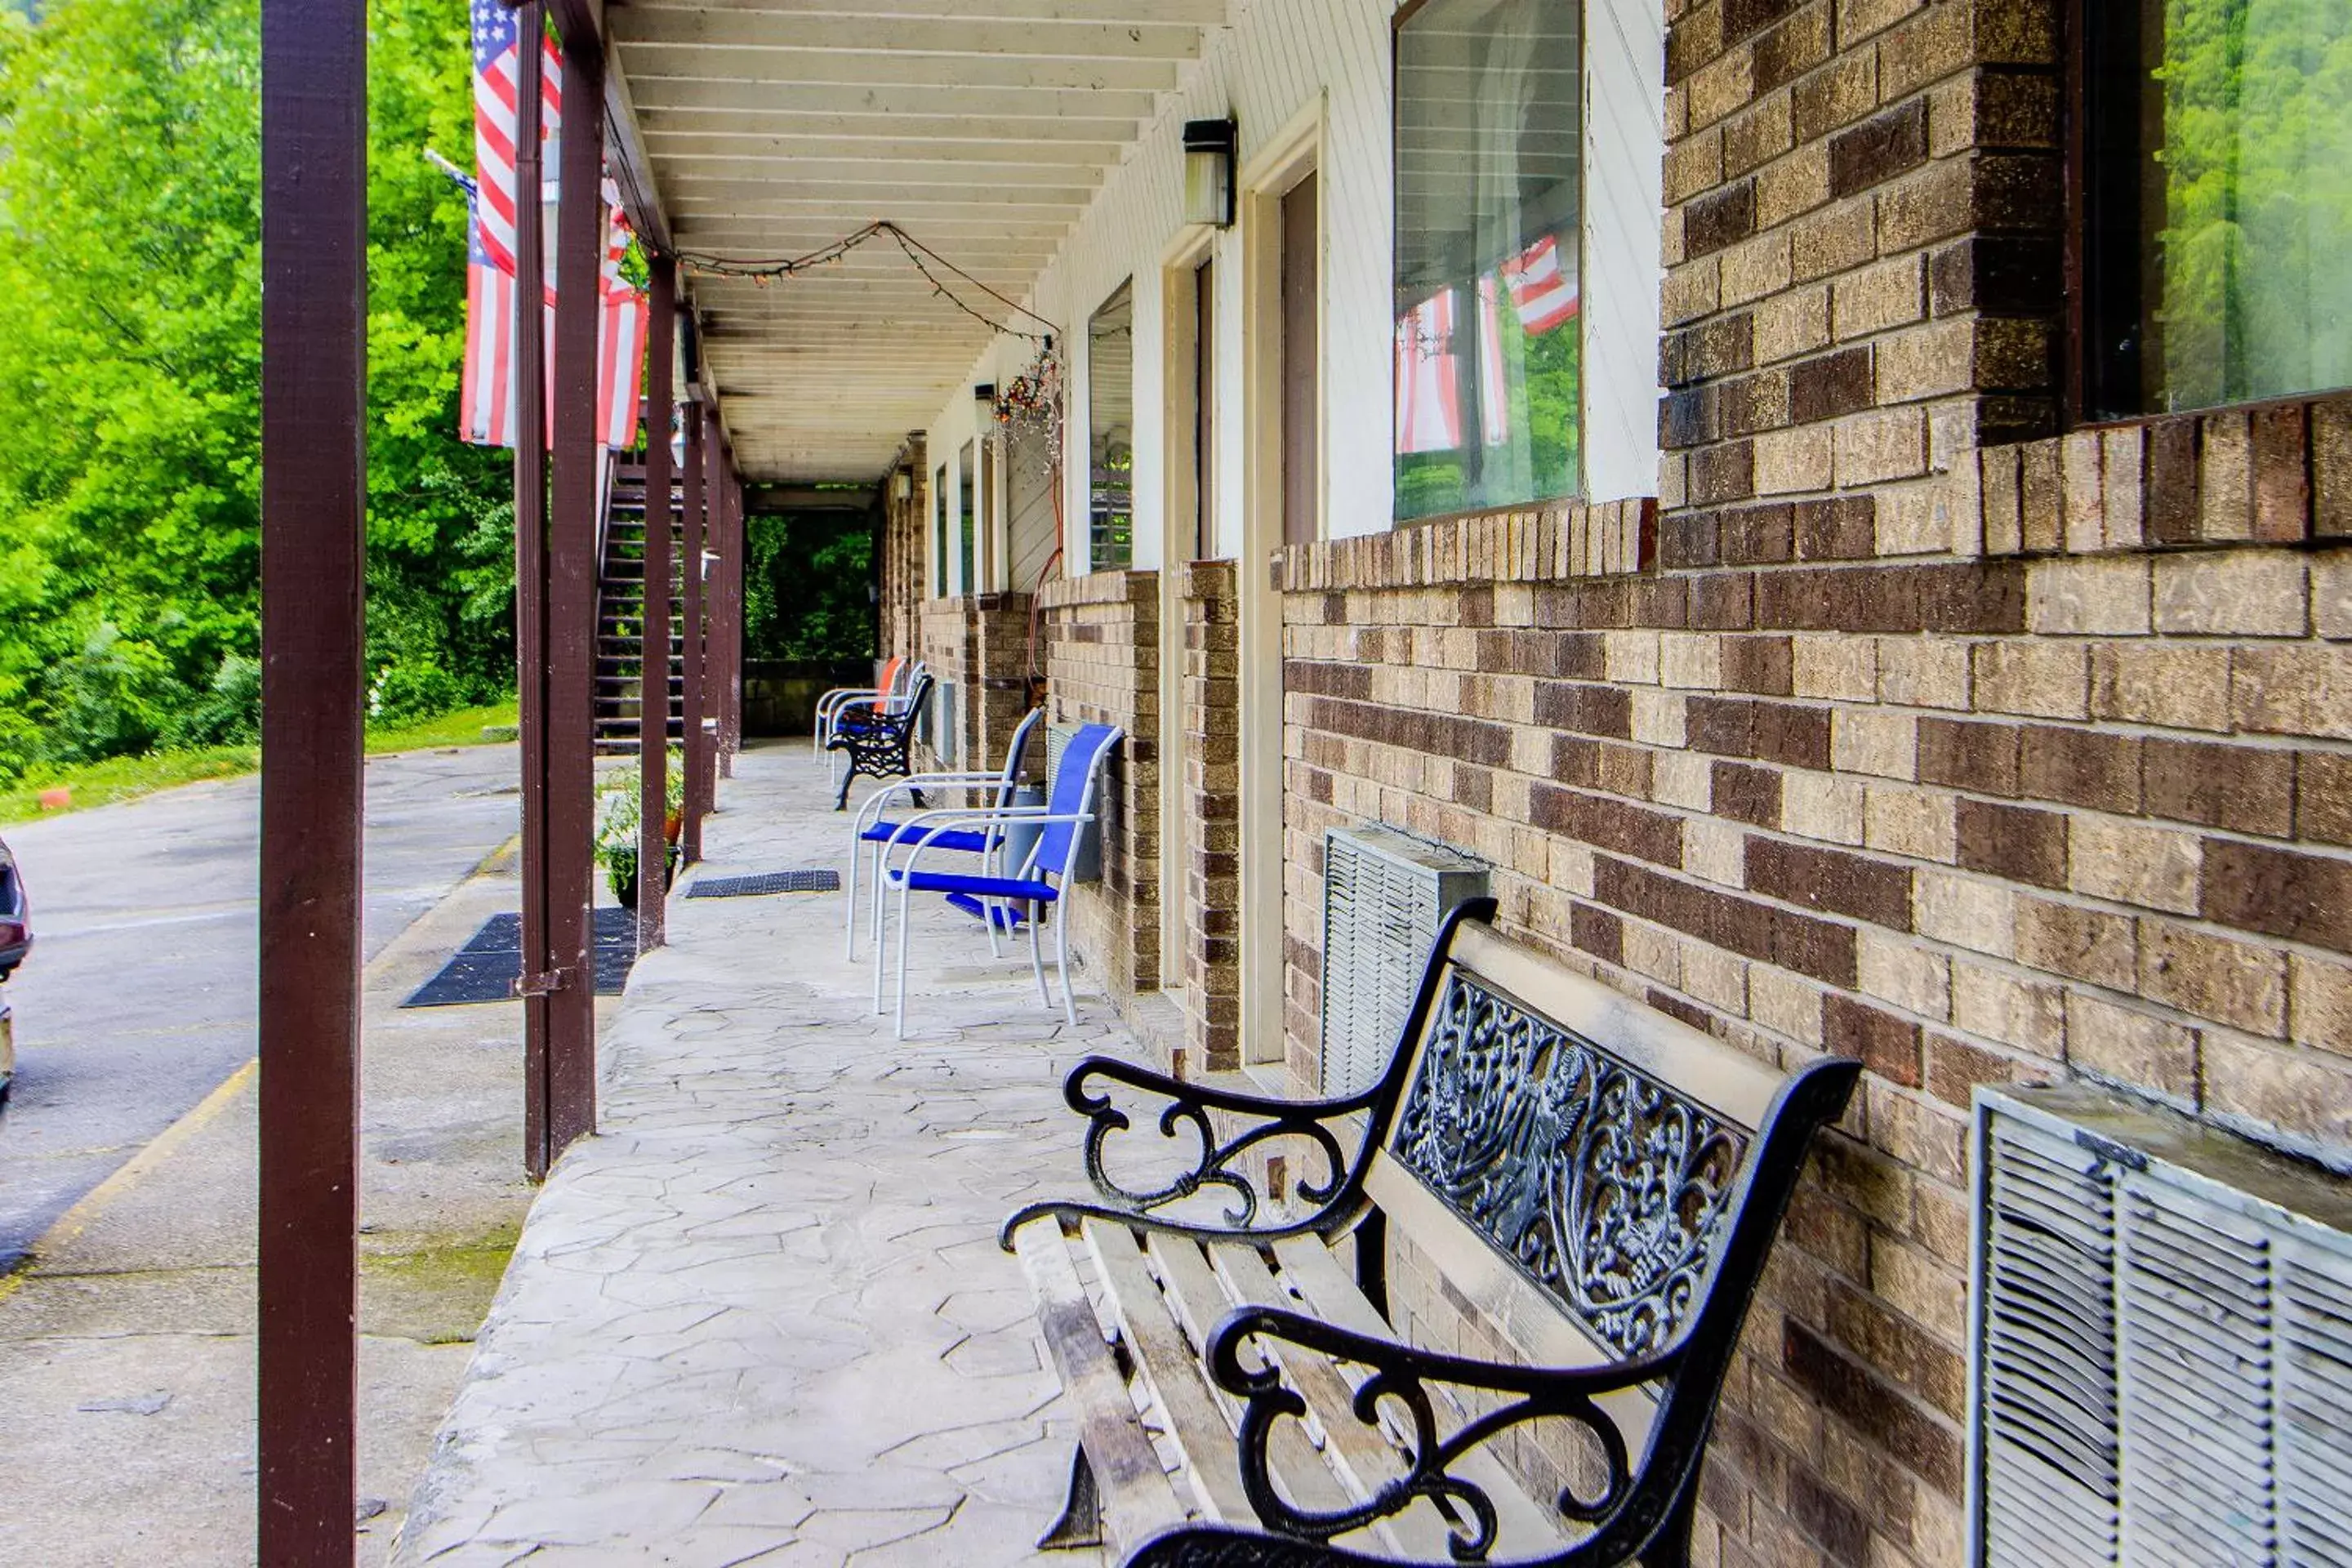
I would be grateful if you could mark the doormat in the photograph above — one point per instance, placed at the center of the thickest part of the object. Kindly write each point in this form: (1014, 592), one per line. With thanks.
(766, 883)
(486, 968)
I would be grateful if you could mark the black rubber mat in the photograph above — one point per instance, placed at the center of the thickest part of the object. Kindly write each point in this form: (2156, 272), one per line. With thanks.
(487, 967)
(766, 883)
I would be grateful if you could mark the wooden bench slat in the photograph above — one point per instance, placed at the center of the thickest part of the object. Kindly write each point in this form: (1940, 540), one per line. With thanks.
(1330, 1294)
(1172, 1372)
(1193, 1287)
(1364, 1459)
(1137, 1498)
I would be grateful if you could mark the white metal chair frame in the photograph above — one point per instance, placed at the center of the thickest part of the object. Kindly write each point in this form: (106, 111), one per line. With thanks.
(1007, 783)
(932, 823)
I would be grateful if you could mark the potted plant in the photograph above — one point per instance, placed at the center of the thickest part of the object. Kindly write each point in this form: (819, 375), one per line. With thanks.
(618, 819)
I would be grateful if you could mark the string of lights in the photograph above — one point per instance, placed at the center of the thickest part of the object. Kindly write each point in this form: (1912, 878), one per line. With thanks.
(929, 263)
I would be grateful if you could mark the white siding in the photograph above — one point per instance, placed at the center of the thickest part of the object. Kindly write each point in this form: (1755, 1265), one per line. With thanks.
(1278, 57)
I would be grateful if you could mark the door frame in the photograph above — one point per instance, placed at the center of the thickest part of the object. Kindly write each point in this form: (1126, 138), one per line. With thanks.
(1271, 173)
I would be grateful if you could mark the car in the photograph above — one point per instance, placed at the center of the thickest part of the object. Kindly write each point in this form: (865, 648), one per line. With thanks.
(15, 941)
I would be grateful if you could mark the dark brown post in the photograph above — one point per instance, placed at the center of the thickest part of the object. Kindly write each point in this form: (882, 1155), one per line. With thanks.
(730, 620)
(568, 960)
(531, 564)
(653, 658)
(313, 570)
(702, 753)
(690, 630)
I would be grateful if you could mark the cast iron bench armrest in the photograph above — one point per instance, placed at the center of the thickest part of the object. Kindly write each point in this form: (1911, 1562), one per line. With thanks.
(1399, 1380)
(1188, 1106)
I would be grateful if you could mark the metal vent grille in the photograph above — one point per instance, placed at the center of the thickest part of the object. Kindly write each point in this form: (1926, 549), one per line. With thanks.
(1384, 897)
(2163, 1345)
(940, 728)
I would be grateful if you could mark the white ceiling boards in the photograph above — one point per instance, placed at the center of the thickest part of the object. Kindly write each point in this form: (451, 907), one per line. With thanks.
(983, 128)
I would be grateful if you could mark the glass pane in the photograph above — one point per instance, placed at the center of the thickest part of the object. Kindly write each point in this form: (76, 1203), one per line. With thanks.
(967, 467)
(2243, 115)
(1490, 194)
(1110, 433)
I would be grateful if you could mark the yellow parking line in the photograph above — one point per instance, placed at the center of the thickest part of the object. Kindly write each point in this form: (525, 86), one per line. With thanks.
(77, 1219)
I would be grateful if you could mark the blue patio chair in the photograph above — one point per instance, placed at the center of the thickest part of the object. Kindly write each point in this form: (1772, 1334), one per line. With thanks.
(872, 837)
(1040, 881)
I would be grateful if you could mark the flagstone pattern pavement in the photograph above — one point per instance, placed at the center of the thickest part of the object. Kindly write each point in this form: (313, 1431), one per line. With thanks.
(761, 1317)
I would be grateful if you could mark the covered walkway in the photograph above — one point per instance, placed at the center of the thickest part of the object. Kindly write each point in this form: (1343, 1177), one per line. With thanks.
(762, 1317)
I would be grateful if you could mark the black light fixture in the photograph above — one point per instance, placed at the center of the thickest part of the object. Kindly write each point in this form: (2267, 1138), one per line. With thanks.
(1210, 146)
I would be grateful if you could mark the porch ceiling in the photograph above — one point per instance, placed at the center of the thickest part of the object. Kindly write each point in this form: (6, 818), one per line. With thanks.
(983, 128)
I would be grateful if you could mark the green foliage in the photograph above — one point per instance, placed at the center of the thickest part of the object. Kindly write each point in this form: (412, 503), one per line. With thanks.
(805, 589)
(227, 715)
(2256, 296)
(130, 207)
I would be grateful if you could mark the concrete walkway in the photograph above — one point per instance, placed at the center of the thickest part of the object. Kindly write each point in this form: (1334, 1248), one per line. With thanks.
(762, 1317)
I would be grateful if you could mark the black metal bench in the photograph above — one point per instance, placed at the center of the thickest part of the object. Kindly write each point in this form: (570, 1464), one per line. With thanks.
(880, 742)
(1598, 1182)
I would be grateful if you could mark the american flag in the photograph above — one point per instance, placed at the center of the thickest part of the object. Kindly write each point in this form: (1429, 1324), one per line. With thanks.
(1543, 286)
(1428, 388)
(486, 402)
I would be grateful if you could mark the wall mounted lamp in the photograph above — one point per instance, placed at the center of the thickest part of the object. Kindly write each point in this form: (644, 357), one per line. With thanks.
(1210, 147)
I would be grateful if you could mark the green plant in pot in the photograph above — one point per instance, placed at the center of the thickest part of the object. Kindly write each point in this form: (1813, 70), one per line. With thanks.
(619, 816)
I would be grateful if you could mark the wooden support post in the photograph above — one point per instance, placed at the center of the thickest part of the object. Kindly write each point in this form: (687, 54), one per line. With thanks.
(653, 658)
(569, 959)
(690, 629)
(531, 568)
(313, 567)
(730, 620)
(702, 782)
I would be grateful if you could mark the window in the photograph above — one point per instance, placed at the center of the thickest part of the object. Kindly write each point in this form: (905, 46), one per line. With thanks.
(1110, 433)
(1489, 180)
(967, 477)
(939, 532)
(2217, 147)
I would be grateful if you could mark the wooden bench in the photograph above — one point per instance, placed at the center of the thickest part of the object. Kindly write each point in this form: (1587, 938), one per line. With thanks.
(1600, 1186)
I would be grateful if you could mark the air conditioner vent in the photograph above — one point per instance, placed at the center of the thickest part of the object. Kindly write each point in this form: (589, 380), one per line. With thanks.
(2162, 1347)
(1384, 895)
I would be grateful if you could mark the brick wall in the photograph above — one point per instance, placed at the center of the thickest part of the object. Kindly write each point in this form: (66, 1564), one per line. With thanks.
(1102, 665)
(905, 564)
(1905, 729)
(982, 644)
(1211, 884)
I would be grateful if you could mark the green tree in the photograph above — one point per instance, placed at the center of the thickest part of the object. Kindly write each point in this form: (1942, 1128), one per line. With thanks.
(129, 379)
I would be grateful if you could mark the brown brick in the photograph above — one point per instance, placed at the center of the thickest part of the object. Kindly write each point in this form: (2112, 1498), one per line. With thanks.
(2080, 767)
(1879, 149)
(2081, 943)
(2245, 789)
(1598, 932)
(1883, 1043)
(2279, 892)
(1794, 48)
(1999, 275)
(1843, 529)
(1713, 221)
(1725, 473)
(2168, 498)
(1588, 710)
(2281, 476)
(2012, 841)
(1760, 535)
(1762, 665)
(1955, 1068)
(1875, 1408)
(2231, 983)
(2331, 468)
(1839, 1528)
(1970, 756)
(1608, 823)
(1746, 794)
(1830, 385)
(2323, 797)
(1832, 881)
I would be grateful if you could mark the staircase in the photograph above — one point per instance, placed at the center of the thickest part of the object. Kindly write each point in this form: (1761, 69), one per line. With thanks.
(621, 610)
